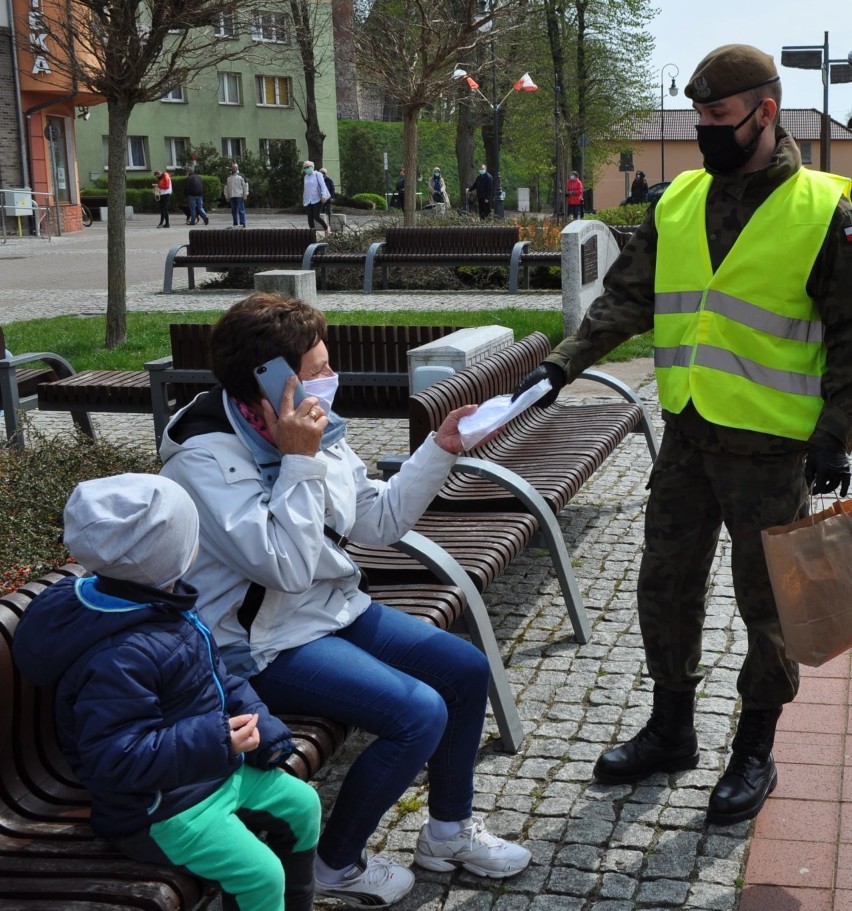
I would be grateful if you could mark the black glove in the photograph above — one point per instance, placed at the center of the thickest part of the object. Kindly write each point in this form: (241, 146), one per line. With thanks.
(826, 469)
(545, 371)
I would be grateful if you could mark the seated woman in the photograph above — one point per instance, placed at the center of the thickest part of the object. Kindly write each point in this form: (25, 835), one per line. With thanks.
(276, 494)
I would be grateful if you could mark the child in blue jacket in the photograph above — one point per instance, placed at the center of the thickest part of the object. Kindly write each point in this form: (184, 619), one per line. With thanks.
(180, 757)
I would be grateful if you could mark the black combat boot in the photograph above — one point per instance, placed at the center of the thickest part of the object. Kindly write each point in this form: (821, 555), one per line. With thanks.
(750, 777)
(667, 743)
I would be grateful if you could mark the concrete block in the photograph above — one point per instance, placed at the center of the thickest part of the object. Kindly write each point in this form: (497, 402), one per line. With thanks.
(459, 349)
(338, 222)
(301, 283)
(101, 213)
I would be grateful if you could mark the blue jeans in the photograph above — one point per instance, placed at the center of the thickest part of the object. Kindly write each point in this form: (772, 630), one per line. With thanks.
(196, 209)
(420, 690)
(238, 209)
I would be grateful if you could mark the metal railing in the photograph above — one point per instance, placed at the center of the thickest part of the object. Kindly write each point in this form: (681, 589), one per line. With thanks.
(19, 203)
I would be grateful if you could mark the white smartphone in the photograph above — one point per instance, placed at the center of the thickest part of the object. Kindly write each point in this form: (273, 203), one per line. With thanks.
(272, 377)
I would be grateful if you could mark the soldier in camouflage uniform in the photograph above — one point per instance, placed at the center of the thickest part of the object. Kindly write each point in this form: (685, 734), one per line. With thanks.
(725, 459)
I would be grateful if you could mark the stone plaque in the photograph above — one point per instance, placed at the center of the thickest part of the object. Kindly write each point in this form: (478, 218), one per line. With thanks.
(589, 260)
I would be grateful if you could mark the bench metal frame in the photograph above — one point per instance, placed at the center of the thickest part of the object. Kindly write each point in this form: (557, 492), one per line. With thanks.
(225, 263)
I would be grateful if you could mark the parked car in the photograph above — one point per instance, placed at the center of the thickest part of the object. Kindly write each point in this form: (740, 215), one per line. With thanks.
(655, 191)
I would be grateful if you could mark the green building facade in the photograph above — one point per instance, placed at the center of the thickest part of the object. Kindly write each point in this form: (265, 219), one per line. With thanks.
(237, 106)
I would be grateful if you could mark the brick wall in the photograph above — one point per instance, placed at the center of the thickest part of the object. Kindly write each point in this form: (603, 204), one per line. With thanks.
(11, 157)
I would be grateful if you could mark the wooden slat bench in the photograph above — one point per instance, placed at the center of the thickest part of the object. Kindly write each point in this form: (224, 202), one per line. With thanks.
(447, 246)
(541, 458)
(372, 362)
(220, 249)
(19, 385)
(50, 857)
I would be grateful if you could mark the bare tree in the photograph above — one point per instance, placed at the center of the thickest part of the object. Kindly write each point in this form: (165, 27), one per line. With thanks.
(131, 52)
(408, 49)
(311, 20)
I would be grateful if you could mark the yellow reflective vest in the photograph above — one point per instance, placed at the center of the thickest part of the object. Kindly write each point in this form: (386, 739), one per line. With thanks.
(745, 343)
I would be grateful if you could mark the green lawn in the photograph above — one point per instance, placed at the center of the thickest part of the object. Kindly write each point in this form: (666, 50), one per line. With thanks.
(80, 339)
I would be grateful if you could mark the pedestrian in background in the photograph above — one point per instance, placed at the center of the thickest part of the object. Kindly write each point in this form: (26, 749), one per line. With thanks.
(484, 187)
(236, 192)
(326, 207)
(195, 197)
(314, 195)
(574, 195)
(743, 272)
(163, 192)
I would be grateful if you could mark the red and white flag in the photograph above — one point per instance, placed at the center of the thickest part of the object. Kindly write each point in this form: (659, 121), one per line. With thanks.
(525, 84)
(472, 83)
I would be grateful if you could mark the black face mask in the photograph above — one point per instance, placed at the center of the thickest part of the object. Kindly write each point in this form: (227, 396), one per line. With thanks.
(722, 153)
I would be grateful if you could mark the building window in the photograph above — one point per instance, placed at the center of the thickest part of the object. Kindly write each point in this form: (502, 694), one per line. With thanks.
(269, 27)
(226, 27)
(229, 88)
(233, 147)
(176, 147)
(176, 95)
(273, 91)
(135, 159)
(806, 150)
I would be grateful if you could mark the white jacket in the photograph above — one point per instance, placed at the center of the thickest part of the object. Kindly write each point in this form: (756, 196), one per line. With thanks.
(277, 541)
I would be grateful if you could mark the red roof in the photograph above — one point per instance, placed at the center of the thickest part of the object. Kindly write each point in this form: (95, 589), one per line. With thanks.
(803, 124)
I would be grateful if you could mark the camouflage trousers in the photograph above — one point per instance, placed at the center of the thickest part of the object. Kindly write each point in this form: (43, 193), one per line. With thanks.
(694, 491)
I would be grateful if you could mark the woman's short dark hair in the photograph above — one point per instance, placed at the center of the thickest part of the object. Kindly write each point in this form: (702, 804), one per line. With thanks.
(257, 329)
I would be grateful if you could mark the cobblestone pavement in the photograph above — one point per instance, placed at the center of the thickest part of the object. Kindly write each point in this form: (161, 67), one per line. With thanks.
(595, 848)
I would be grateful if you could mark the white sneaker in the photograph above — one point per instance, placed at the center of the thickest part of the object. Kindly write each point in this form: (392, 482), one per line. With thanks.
(374, 883)
(475, 849)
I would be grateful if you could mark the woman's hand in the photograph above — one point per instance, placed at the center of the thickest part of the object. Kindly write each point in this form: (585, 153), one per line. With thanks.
(245, 736)
(447, 436)
(296, 430)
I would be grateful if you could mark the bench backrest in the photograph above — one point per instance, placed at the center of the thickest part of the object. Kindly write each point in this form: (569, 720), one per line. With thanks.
(352, 350)
(250, 241)
(451, 240)
(496, 374)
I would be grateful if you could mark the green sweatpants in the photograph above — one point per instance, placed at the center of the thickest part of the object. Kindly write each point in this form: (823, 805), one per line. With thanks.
(211, 841)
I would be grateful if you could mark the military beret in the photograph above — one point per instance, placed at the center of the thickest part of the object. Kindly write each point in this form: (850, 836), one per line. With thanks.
(729, 70)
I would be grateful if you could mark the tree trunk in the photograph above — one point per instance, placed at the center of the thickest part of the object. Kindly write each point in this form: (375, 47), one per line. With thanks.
(116, 315)
(304, 23)
(410, 118)
(465, 130)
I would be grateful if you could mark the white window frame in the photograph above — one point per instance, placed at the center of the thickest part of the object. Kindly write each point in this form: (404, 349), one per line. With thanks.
(226, 80)
(137, 146)
(263, 101)
(269, 27)
(176, 96)
(226, 26)
(233, 147)
(176, 147)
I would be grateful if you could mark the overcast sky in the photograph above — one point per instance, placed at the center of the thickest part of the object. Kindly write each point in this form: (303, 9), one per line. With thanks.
(684, 32)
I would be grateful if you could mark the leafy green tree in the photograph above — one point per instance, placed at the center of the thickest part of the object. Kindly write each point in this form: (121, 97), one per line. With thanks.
(361, 163)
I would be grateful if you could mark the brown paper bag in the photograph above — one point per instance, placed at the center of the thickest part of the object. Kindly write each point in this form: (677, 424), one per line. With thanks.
(810, 566)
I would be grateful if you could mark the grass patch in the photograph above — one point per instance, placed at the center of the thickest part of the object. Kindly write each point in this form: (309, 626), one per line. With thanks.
(80, 339)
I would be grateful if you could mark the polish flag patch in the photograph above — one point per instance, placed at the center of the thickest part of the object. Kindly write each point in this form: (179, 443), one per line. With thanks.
(848, 233)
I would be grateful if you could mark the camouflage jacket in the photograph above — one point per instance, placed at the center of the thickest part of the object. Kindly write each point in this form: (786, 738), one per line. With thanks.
(626, 307)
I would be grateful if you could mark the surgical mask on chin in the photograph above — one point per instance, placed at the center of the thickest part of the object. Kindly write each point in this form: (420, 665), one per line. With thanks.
(718, 143)
(324, 388)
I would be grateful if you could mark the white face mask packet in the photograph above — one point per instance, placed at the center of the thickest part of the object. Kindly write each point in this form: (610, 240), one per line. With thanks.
(498, 411)
(324, 388)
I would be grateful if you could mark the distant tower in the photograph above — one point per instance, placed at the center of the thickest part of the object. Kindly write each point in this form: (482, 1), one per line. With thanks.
(346, 68)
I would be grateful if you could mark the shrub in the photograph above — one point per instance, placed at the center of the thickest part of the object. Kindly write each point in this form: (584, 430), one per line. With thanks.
(35, 484)
(353, 202)
(622, 216)
(378, 202)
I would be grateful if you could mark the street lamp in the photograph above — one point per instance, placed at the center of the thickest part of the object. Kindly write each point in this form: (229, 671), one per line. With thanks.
(524, 84)
(815, 57)
(672, 92)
